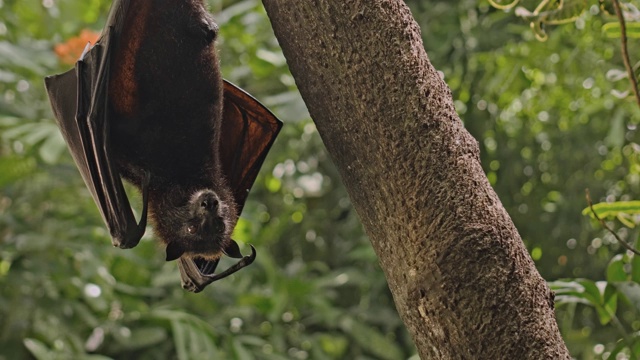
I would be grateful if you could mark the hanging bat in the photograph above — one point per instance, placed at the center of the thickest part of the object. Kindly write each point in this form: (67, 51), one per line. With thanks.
(147, 103)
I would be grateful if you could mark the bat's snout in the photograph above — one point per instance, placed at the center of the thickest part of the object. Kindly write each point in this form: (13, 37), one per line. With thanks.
(205, 202)
(207, 214)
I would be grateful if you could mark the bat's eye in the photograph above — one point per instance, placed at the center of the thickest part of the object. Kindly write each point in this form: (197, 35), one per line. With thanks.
(192, 229)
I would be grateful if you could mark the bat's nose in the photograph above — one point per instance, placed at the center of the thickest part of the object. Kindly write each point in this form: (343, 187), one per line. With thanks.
(207, 201)
(209, 204)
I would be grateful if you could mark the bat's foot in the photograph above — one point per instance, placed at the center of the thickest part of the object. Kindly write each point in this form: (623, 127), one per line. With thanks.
(195, 280)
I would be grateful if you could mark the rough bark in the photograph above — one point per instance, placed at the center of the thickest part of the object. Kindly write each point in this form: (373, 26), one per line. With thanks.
(462, 280)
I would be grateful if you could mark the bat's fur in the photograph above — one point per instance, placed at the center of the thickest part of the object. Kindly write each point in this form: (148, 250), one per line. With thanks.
(165, 98)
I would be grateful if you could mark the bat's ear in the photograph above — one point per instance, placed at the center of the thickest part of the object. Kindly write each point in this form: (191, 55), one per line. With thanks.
(174, 251)
(232, 250)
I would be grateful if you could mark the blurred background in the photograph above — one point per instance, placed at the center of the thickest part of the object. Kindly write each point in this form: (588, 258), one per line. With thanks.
(552, 118)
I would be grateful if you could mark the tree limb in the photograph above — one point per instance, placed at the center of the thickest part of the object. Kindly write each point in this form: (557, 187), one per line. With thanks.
(461, 277)
(625, 51)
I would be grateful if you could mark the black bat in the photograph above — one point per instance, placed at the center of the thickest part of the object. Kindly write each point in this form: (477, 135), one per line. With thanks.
(147, 103)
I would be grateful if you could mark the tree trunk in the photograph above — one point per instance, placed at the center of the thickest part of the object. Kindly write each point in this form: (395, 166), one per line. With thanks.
(460, 275)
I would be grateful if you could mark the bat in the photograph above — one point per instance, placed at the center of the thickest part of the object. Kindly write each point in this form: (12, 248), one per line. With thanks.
(147, 103)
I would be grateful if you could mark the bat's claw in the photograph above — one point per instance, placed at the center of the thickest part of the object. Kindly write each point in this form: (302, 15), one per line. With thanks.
(232, 250)
(130, 239)
(85, 51)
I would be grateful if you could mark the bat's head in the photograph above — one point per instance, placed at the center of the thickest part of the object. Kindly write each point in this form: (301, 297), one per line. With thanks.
(200, 228)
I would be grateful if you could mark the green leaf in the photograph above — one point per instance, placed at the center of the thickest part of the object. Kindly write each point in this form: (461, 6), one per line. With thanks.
(612, 30)
(145, 337)
(567, 12)
(636, 344)
(563, 285)
(631, 292)
(20, 57)
(503, 4)
(617, 128)
(615, 270)
(591, 291)
(610, 305)
(623, 344)
(626, 220)
(572, 299)
(635, 268)
(611, 210)
(180, 339)
(39, 350)
(333, 345)
(13, 168)
(241, 353)
(192, 336)
(570, 292)
(601, 295)
(193, 342)
(371, 339)
(607, 7)
(553, 13)
(52, 147)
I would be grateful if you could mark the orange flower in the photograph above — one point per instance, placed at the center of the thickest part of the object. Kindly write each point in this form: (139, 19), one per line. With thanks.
(69, 52)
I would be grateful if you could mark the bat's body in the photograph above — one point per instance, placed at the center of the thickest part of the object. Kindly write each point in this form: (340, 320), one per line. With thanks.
(166, 105)
(165, 88)
(148, 103)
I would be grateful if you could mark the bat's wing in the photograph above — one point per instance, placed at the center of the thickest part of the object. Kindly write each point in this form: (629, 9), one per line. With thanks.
(248, 131)
(79, 102)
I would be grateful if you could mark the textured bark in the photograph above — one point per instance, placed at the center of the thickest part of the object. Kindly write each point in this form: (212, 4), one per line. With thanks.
(460, 275)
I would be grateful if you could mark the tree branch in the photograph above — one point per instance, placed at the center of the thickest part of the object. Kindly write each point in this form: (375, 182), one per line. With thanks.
(604, 225)
(461, 278)
(625, 50)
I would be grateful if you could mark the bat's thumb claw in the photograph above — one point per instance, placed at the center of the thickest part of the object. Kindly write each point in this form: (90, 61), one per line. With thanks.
(232, 250)
(174, 251)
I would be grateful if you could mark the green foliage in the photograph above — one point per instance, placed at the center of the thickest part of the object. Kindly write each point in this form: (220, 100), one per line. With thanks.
(557, 12)
(620, 293)
(551, 118)
(315, 290)
(622, 283)
(550, 12)
(613, 30)
(625, 211)
(542, 122)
